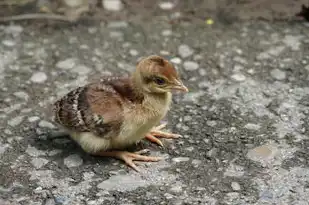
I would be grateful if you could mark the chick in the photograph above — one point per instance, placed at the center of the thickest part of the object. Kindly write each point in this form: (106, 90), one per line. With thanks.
(106, 117)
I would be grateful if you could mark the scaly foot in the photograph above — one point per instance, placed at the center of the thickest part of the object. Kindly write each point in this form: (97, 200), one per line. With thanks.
(156, 132)
(129, 157)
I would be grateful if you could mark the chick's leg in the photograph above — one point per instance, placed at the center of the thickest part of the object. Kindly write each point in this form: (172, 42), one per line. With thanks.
(129, 157)
(156, 132)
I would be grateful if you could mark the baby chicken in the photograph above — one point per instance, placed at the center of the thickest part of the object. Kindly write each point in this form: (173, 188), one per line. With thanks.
(108, 116)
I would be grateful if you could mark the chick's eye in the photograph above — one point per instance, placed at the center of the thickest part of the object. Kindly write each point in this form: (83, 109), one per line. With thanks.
(159, 81)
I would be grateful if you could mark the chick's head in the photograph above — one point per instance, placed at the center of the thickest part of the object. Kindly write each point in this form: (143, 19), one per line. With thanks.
(157, 75)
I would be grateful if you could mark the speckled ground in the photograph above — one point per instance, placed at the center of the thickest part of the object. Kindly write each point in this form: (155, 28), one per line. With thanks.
(244, 123)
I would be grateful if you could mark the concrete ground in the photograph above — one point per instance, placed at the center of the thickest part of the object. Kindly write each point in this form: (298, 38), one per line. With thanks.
(244, 124)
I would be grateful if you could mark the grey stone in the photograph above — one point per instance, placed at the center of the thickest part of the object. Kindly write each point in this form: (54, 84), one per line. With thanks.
(33, 118)
(166, 32)
(15, 121)
(238, 77)
(180, 159)
(185, 51)
(251, 126)
(73, 3)
(133, 52)
(46, 124)
(39, 162)
(66, 64)
(166, 5)
(112, 5)
(50, 202)
(278, 74)
(117, 24)
(81, 69)
(22, 95)
(235, 186)
(73, 160)
(190, 65)
(38, 77)
(178, 60)
(32, 151)
(8, 43)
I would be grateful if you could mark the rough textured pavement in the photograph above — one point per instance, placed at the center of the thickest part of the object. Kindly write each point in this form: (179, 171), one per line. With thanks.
(244, 123)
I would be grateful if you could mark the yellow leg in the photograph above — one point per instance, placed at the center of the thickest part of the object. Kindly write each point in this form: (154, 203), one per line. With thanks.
(156, 132)
(129, 157)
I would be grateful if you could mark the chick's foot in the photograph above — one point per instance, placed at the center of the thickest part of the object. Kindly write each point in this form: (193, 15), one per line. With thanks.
(156, 132)
(129, 157)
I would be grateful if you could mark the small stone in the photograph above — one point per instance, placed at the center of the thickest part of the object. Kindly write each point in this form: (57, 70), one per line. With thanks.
(66, 64)
(81, 69)
(178, 60)
(54, 152)
(262, 153)
(277, 74)
(133, 52)
(307, 67)
(251, 126)
(167, 5)
(185, 51)
(115, 34)
(235, 186)
(38, 77)
(13, 29)
(196, 162)
(15, 121)
(190, 65)
(180, 159)
(39, 162)
(73, 160)
(32, 151)
(168, 196)
(166, 32)
(176, 189)
(112, 5)
(45, 124)
(117, 24)
(33, 118)
(22, 95)
(73, 3)
(202, 72)
(50, 202)
(8, 43)
(211, 123)
(238, 77)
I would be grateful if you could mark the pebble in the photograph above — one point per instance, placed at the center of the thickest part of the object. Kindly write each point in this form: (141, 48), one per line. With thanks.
(176, 189)
(190, 65)
(81, 69)
(251, 126)
(202, 72)
(45, 124)
(277, 74)
(73, 160)
(117, 24)
(167, 5)
(180, 159)
(33, 118)
(39, 162)
(15, 121)
(50, 202)
(166, 32)
(8, 43)
(73, 3)
(133, 52)
(38, 77)
(34, 152)
(262, 153)
(115, 34)
(176, 60)
(22, 95)
(112, 5)
(13, 29)
(307, 67)
(238, 77)
(185, 51)
(66, 64)
(235, 186)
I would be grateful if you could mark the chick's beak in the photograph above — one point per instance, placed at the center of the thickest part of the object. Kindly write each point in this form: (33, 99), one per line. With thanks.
(180, 86)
